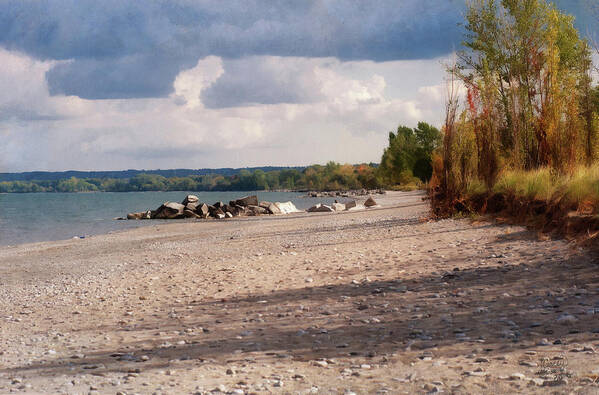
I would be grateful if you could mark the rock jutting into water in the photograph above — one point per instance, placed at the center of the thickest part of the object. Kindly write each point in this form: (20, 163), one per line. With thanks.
(191, 207)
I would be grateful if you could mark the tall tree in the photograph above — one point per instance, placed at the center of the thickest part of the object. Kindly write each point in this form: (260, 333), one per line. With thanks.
(526, 64)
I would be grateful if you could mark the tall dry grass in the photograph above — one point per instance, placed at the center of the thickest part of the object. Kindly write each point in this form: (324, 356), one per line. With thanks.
(579, 189)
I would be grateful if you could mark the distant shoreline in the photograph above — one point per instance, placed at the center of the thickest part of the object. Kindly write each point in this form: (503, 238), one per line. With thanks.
(330, 177)
(349, 192)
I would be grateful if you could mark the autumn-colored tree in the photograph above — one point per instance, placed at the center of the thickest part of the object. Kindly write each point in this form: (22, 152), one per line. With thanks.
(530, 104)
(447, 179)
(530, 67)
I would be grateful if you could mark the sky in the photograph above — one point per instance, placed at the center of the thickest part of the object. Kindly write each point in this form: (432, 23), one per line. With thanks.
(123, 84)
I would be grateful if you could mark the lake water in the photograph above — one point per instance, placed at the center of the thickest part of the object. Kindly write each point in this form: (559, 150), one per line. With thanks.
(32, 217)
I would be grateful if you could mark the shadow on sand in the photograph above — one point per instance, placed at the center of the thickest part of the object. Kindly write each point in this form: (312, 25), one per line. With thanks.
(494, 309)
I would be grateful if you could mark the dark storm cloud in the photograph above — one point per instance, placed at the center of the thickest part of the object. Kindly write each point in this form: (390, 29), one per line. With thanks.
(123, 49)
(127, 49)
(260, 80)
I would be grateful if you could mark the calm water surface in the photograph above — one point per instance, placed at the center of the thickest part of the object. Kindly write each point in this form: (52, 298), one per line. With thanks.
(32, 217)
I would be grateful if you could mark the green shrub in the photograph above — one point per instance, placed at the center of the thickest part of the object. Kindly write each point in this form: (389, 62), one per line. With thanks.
(538, 184)
(583, 186)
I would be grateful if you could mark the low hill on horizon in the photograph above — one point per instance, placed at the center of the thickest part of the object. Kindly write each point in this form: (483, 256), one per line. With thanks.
(124, 174)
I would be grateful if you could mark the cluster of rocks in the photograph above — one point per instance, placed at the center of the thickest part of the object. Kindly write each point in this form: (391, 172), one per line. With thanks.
(191, 207)
(357, 192)
(324, 208)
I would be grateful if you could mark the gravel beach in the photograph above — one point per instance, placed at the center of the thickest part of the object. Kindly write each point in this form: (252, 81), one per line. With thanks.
(374, 301)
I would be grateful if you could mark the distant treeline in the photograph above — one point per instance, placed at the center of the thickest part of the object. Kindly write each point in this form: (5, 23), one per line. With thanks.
(121, 174)
(332, 176)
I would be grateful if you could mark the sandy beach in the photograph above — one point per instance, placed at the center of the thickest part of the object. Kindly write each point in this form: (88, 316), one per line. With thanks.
(375, 301)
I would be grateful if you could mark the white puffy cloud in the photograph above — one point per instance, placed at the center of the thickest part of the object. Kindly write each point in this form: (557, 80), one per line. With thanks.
(24, 92)
(189, 84)
(334, 110)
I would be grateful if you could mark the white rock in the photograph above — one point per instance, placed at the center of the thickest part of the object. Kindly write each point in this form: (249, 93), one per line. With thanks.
(287, 207)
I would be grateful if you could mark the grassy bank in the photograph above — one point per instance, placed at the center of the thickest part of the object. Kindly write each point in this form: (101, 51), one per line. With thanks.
(578, 191)
(566, 205)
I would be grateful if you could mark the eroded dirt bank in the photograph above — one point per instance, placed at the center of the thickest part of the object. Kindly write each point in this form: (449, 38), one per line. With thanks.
(362, 302)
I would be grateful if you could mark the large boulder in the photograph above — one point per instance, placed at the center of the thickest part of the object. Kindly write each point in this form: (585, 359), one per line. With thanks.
(190, 214)
(213, 210)
(264, 204)
(141, 215)
(370, 202)
(202, 210)
(190, 199)
(256, 210)
(228, 209)
(247, 201)
(191, 206)
(273, 209)
(169, 210)
(216, 212)
(338, 206)
(320, 208)
(242, 211)
(286, 207)
(350, 204)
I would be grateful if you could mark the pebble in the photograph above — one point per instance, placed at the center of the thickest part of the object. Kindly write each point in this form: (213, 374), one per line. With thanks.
(530, 364)
(566, 319)
(517, 376)
(475, 373)
(537, 382)
(430, 388)
(555, 383)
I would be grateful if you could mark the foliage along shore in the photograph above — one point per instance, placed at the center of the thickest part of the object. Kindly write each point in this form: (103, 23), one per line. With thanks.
(330, 177)
(525, 143)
